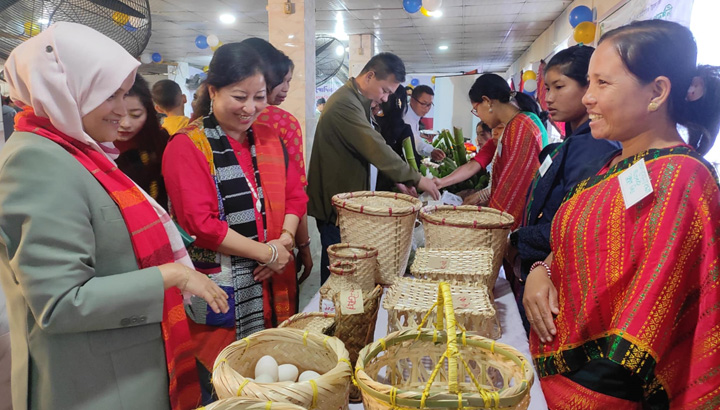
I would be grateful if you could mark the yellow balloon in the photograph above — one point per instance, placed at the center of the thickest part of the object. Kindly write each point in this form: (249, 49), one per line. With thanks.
(217, 46)
(529, 75)
(432, 79)
(205, 69)
(584, 32)
(120, 18)
(31, 29)
(425, 12)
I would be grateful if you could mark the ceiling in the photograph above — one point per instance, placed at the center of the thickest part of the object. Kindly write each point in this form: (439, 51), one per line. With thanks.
(488, 35)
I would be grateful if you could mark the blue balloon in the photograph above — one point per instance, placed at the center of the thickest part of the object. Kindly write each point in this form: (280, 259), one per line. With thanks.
(156, 57)
(530, 93)
(129, 27)
(412, 6)
(415, 82)
(580, 14)
(201, 42)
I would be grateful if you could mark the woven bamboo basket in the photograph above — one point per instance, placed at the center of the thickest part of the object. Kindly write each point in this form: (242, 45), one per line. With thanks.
(246, 403)
(468, 226)
(312, 321)
(454, 265)
(342, 277)
(304, 349)
(408, 300)
(426, 369)
(364, 257)
(383, 220)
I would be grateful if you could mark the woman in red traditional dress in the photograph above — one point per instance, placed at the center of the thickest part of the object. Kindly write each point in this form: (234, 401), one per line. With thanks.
(516, 157)
(231, 184)
(624, 311)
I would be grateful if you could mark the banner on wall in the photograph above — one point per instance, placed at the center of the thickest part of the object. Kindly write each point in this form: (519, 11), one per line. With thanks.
(678, 11)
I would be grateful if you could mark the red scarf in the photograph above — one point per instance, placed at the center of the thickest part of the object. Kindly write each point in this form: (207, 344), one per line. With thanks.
(152, 248)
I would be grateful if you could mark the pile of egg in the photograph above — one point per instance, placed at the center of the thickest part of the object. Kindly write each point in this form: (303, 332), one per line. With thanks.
(267, 370)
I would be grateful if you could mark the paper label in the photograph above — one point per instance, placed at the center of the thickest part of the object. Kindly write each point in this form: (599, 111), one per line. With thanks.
(461, 302)
(451, 199)
(351, 302)
(437, 262)
(545, 166)
(635, 184)
(327, 306)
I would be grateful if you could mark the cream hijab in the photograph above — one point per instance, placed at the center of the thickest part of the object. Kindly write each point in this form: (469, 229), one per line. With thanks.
(64, 73)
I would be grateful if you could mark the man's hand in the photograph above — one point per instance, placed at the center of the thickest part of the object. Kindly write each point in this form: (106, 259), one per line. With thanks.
(407, 190)
(437, 155)
(427, 185)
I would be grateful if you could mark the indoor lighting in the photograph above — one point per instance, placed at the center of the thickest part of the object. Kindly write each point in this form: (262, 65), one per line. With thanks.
(291, 36)
(43, 21)
(339, 50)
(340, 33)
(443, 47)
(436, 13)
(227, 18)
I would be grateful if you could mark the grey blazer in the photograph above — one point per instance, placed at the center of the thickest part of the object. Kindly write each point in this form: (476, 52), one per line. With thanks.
(84, 320)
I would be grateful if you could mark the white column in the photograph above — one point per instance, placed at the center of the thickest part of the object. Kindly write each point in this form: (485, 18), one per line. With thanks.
(362, 48)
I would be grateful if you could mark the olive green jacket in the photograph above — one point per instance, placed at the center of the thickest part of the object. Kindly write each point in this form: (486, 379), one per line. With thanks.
(344, 147)
(84, 320)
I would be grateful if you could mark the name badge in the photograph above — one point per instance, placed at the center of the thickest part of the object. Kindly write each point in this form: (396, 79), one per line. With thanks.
(635, 184)
(545, 166)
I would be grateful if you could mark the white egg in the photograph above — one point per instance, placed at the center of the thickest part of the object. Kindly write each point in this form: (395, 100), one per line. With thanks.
(308, 375)
(287, 373)
(267, 366)
(264, 378)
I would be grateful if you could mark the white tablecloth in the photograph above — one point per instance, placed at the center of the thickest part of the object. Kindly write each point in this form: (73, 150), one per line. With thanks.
(513, 333)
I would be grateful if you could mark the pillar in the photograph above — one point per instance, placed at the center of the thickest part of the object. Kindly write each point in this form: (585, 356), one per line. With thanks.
(362, 48)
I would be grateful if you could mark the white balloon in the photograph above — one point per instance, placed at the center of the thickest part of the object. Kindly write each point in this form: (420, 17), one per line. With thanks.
(146, 58)
(530, 85)
(432, 5)
(213, 40)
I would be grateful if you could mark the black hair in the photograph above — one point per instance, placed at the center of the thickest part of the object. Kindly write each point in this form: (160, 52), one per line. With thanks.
(572, 62)
(485, 127)
(151, 137)
(320, 100)
(277, 64)
(392, 125)
(653, 48)
(495, 87)
(420, 90)
(385, 65)
(167, 94)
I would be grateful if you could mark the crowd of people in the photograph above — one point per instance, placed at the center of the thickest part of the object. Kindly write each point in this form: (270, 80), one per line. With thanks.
(132, 252)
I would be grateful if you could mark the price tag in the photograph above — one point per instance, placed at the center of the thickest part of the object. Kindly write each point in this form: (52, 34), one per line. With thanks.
(545, 166)
(451, 199)
(327, 306)
(351, 302)
(437, 262)
(461, 302)
(635, 183)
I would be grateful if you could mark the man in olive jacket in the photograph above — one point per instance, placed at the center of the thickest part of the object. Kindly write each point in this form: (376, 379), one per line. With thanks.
(346, 144)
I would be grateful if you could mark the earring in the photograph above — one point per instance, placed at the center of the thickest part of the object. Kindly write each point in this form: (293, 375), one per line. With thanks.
(653, 106)
(211, 107)
(490, 109)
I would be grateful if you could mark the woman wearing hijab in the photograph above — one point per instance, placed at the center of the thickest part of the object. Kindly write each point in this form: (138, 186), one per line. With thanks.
(92, 267)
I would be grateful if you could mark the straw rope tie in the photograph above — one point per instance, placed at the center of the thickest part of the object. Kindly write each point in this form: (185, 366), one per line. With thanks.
(382, 343)
(221, 361)
(242, 386)
(352, 376)
(315, 394)
(393, 398)
(460, 406)
(305, 335)
(268, 405)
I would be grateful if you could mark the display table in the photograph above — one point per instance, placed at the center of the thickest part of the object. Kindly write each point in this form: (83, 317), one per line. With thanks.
(513, 333)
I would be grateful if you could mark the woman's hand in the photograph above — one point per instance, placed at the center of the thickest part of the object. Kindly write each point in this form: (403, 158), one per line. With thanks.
(303, 262)
(541, 303)
(284, 257)
(196, 283)
(439, 183)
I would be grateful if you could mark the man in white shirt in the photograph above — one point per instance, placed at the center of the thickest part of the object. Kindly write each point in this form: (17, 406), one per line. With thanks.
(421, 101)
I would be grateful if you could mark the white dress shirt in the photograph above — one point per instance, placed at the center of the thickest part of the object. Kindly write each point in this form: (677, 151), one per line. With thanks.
(413, 120)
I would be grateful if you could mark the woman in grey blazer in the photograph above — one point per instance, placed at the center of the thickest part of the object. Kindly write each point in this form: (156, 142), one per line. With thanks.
(92, 267)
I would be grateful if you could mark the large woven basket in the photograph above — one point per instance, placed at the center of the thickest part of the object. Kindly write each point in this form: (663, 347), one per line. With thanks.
(408, 300)
(448, 227)
(364, 257)
(426, 369)
(383, 220)
(304, 349)
(246, 403)
(454, 265)
(313, 321)
(342, 277)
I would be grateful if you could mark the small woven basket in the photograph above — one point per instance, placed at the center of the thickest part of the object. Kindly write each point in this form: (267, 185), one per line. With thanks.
(312, 321)
(246, 403)
(408, 300)
(304, 349)
(383, 220)
(364, 257)
(467, 226)
(342, 277)
(454, 265)
(426, 369)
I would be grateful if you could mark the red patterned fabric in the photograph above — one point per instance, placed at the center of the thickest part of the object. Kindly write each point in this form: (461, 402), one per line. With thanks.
(640, 286)
(516, 162)
(291, 134)
(152, 248)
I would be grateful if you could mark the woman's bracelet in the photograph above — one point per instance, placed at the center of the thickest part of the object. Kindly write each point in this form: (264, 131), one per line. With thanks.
(292, 237)
(187, 278)
(304, 245)
(544, 265)
(273, 255)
